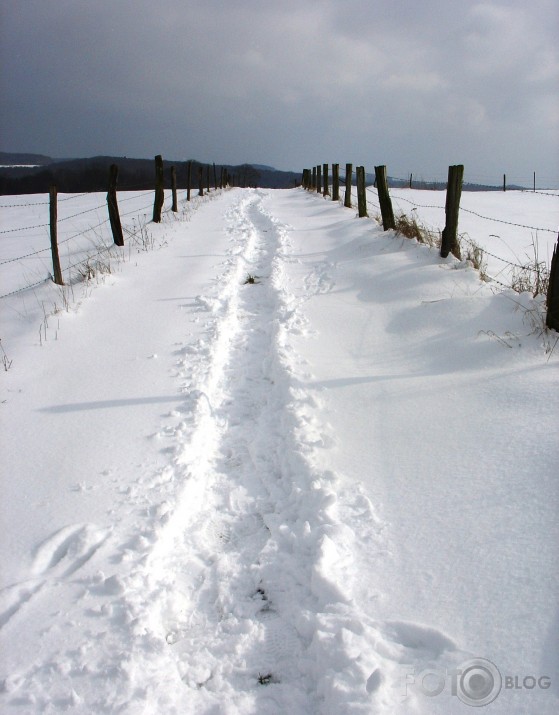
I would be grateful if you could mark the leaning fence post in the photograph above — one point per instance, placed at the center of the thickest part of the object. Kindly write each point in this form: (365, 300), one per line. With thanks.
(361, 195)
(174, 206)
(325, 190)
(159, 192)
(335, 182)
(112, 205)
(384, 199)
(53, 215)
(348, 177)
(552, 318)
(449, 243)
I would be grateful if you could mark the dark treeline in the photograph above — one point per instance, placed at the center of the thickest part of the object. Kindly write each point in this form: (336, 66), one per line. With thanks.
(80, 175)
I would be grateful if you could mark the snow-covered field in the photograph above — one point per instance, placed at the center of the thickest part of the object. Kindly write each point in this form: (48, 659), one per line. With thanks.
(333, 490)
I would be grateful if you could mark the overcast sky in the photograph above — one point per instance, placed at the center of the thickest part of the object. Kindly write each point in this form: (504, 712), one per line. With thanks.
(414, 84)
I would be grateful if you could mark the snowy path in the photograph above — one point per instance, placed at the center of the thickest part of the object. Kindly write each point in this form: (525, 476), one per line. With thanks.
(242, 504)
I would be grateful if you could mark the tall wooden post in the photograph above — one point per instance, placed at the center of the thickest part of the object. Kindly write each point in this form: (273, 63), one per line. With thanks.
(348, 177)
(504, 182)
(318, 179)
(313, 184)
(361, 195)
(552, 318)
(53, 215)
(335, 182)
(325, 189)
(114, 216)
(200, 180)
(159, 191)
(174, 206)
(208, 178)
(384, 198)
(449, 243)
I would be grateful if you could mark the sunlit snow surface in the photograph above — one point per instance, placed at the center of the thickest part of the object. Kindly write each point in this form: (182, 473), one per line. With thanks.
(327, 491)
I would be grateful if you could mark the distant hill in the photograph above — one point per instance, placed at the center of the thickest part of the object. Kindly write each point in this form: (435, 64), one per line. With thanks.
(35, 173)
(11, 159)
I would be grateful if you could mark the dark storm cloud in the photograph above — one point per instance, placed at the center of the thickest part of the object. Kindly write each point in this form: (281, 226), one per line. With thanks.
(414, 85)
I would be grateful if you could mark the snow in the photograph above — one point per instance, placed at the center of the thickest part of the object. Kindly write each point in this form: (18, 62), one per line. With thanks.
(327, 491)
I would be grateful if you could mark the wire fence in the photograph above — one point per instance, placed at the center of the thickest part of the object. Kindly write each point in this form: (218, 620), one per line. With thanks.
(429, 218)
(84, 250)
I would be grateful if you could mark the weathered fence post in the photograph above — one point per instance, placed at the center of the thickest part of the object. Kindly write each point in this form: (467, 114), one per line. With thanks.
(208, 178)
(114, 216)
(215, 178)
(200, 180)
(53, 215)
(552, 318)
(384, 198)
(449, 243)
(504, 182)
(361, 195)
(188, 180)
(335, 182)
(348, 177)
(318, 179)
(159, 192)
(174, 206)
(313, 185)
(411, 178)
(325, 190)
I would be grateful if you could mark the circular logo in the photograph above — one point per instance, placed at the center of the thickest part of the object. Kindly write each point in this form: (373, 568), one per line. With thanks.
(479, 682)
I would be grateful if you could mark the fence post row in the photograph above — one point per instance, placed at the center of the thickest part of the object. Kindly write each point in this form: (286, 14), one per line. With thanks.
(53, 215)
(112, 205)
(361, 195)
(159, 191)
(552, 317)
(384, 199)
(449, 243)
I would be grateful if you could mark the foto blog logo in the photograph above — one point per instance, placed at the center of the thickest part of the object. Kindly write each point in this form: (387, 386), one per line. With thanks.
(477, 682)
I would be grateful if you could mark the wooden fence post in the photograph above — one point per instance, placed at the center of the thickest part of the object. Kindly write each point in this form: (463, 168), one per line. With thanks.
(411, 178)
(384, 198)
(200, 181)
(188, 179)
(318, 179)
(53, 215)
(159, 192)
(215, 178)
(174, 206)
(504, 182)
(325, 190)
(361, 195)
(114, 216)
(335, 182)
(552, 318)
(449, 243)
(348, 177)
(313, 184)
(208, 178)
